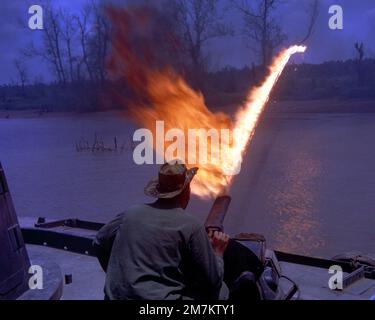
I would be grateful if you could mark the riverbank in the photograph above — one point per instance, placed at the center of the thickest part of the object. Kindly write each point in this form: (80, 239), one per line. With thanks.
(307, 106)
(37, 114)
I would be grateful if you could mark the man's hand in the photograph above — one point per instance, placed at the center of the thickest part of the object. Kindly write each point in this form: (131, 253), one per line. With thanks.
(219, 242)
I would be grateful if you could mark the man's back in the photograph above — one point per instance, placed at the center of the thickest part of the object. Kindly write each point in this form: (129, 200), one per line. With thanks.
(153, 253)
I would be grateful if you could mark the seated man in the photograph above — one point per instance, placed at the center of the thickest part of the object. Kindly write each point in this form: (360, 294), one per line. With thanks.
(159, 250)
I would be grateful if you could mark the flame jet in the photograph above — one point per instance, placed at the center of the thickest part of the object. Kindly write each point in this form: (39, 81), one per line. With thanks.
(247, 117)
(159, 93)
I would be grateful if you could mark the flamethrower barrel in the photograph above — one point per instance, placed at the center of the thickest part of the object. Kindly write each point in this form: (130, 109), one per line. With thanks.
(216, 216)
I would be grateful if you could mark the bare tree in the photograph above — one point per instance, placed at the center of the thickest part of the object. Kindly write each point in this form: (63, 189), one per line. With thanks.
(84, 34)
(99, 43)
(94, 37)
(62, 36)
(51, 50)
(360, 50)
(22, 72)
(313, 13)
(361, 54)
(68, 33)
(198, 22)
(52, 42)
(261, 27)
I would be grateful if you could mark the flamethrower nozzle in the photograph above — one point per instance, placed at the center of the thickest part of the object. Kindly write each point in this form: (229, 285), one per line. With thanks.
(216, 216)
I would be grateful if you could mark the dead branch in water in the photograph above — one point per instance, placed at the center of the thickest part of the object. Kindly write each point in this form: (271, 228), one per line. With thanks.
(98, 145)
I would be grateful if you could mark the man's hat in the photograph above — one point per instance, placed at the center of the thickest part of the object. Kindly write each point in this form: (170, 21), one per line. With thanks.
(172, 180)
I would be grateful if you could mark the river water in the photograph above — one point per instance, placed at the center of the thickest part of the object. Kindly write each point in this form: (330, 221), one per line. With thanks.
(307, 182)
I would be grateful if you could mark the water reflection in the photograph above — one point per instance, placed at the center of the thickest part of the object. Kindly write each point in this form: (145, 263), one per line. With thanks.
(293, 204)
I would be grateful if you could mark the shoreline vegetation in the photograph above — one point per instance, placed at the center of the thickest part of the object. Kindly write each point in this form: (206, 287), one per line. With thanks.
(291, 106)
(335, 86)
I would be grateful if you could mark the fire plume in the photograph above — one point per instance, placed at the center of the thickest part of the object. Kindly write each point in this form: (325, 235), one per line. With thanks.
(247, 117)
(163, 95)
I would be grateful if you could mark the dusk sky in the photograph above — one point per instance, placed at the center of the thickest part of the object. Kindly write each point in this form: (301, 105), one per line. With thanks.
(324, 44)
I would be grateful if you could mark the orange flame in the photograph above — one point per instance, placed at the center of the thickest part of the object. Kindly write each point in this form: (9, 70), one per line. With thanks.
(165, 96)
(248, 117)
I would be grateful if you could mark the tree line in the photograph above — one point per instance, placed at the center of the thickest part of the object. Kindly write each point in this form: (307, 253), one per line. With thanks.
(76, 46)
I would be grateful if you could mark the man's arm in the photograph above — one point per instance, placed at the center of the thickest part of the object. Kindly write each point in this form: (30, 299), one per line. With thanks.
(207, 260)
(104, 239)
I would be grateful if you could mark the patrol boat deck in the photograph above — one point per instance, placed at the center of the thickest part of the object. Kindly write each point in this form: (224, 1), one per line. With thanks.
(68, 243)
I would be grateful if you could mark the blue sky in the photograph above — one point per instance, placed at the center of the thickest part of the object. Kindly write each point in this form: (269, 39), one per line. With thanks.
(325, 44)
